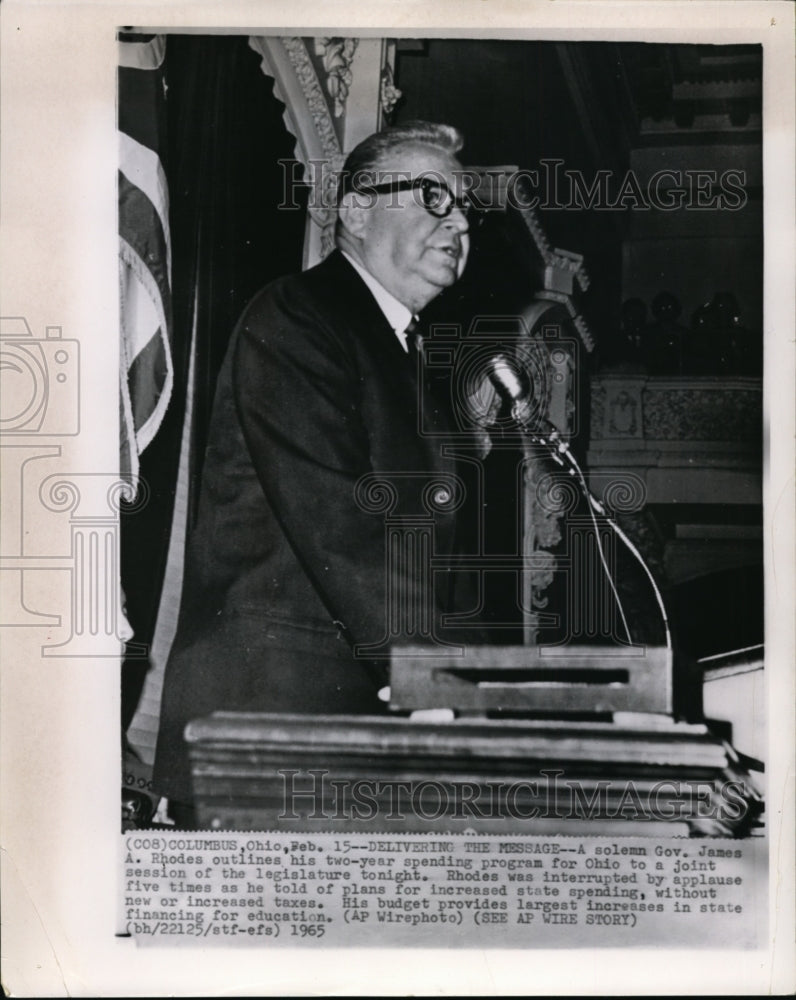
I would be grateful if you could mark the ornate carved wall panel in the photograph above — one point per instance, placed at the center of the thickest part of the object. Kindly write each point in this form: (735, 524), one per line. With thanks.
(336, 91)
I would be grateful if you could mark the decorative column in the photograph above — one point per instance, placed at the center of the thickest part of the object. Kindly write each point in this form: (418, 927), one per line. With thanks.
(98, 626)
(593, 592)
(548, 352)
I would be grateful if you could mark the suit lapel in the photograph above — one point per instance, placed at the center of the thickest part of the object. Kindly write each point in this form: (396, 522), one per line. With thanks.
(362, 312)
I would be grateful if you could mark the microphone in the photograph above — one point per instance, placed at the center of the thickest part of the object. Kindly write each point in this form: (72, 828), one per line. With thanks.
(513, 386)
(506, 380)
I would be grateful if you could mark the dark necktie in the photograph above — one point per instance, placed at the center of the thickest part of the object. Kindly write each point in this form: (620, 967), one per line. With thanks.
(414, 342)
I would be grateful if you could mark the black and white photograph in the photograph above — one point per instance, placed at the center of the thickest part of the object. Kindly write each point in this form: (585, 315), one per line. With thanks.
(436, 544)
(523, 492)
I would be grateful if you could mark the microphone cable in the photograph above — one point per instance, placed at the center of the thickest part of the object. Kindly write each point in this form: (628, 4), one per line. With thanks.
(509, 384)
(558, 448)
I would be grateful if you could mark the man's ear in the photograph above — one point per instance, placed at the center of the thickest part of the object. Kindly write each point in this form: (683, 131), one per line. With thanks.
(353, 215)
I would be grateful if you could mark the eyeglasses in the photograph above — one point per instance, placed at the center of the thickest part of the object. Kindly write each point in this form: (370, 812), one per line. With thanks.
(435, 197)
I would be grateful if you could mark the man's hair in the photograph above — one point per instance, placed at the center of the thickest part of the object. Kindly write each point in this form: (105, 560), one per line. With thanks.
(367, 157)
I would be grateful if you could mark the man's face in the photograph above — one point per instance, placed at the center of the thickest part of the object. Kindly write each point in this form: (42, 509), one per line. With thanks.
(411, 252)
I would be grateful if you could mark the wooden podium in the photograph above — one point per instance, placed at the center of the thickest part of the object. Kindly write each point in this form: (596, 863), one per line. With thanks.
(631, 769)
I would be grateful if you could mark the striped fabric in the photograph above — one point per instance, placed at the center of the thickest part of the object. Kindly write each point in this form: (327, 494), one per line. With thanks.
(146, 372)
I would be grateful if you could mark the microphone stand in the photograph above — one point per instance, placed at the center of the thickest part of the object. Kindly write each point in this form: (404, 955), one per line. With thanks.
(561, 454)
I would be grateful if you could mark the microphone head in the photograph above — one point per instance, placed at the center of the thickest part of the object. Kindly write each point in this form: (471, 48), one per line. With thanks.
(509, 379)
(513, 386)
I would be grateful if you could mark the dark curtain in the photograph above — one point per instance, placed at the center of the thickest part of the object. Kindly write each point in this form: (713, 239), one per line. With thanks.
(225, 138)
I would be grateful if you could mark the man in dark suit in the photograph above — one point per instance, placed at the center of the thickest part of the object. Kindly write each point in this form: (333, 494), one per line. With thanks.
(287, 581)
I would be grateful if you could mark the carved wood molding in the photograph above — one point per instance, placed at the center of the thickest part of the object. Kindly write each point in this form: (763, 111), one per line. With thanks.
(389, 94)
(309, 118)
(655, 409)
(337, 54)
(335, 92)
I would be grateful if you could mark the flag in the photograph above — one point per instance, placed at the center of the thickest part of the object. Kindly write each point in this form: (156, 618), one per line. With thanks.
(146, 370)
